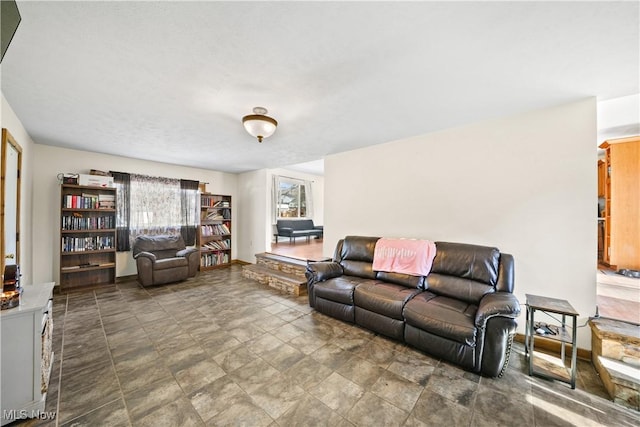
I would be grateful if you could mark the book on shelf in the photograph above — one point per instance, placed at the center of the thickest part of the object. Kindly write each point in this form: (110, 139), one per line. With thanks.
(208, 260)
(88, 201)
(213, 215)
(218, 245)
(78, 222)
(106, 201)
(215, 229)
(209, 201)
(93, 243)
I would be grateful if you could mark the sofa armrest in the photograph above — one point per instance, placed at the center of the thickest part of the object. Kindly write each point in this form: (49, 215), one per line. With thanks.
(185, 252)
(145, 254)
(318, 227)
(322, 270)
(503, 304)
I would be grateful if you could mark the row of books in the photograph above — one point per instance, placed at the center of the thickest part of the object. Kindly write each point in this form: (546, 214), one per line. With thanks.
(94, 243)
(218, 245)
(89, 201)
(215, 259)
(75, 222)
(215, 229)
(214, 202)
(216, 214)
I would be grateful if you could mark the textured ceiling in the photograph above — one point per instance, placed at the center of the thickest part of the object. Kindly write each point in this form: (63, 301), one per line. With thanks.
(170, 81)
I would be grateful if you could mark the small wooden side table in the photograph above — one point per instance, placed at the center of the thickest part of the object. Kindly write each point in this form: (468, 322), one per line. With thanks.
(566, 334)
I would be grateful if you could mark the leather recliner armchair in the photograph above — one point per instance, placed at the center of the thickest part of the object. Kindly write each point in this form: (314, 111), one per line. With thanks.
(164, 259)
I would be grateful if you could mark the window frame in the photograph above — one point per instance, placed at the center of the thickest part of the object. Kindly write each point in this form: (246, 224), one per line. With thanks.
(301, 198)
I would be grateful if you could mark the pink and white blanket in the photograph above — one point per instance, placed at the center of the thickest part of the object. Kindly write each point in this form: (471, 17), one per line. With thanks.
(407, 256)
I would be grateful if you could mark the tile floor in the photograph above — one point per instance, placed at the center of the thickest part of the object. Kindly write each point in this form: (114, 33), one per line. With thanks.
(222, 350)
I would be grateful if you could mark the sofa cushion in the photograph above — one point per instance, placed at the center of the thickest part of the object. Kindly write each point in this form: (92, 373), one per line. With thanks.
(407, 280)
(157, 244)
(361, 269)
(465, 290)
(442, 316)
(165, 263)
(479, 263)
(383, 298)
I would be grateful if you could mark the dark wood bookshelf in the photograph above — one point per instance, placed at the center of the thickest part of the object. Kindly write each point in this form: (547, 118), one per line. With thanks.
(215, 228)
(95, 266)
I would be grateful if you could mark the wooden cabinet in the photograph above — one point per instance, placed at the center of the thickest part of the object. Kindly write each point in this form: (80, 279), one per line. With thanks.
(27, 355)
(622, 203)
(87, 236)
(214, 238)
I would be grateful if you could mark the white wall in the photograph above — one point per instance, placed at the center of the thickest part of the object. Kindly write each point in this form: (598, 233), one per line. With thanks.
(526, 184)
(50, 161)
(253, 223)
(12, 123)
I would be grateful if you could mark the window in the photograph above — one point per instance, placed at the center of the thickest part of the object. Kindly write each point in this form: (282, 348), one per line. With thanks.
(153, 206)
(293, 198)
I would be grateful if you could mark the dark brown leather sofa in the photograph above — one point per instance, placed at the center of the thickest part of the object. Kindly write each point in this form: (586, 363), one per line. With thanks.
(164, 259)
(464, 311)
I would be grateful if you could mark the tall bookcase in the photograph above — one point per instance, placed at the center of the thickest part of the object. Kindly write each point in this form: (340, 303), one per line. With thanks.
(214, 237)
(87, 236)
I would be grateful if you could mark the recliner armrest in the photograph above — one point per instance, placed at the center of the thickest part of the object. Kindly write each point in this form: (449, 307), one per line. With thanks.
(149, 255)
(185, 252)
(320, 271)
(503, 304)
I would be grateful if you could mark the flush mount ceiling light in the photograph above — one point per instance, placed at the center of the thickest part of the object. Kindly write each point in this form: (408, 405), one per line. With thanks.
(259, 125)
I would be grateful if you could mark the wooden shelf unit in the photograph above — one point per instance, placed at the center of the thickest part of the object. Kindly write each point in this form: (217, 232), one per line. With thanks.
(87, 237)
(621, 248)
(214, 234)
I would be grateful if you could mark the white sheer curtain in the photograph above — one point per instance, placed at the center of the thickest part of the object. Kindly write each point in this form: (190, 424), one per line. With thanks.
(309, 198)
(155, 206)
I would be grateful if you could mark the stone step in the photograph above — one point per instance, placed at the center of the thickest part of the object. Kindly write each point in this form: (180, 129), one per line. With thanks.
(287, 282)
(617, 340)
(615, 353)
(621, 380)
(294, 266)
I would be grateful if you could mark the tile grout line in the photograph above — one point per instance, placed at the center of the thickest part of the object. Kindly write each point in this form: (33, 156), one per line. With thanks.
(104, 334)
(113, 365)
(173, 375)
(64, 317)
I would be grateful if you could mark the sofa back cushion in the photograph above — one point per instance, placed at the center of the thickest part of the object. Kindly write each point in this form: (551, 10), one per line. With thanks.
(463, 271)
(358, 248)
(161, 246)
(296, 224)
(356, 256)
